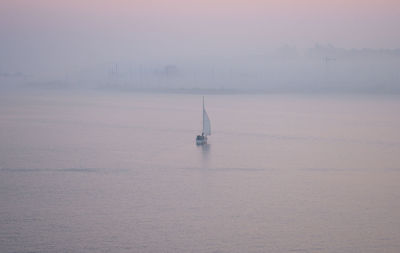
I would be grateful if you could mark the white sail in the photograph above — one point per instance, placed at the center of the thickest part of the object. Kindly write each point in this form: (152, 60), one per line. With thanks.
(206, 122)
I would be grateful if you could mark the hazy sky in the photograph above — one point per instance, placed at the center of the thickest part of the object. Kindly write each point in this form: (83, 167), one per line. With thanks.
(53, 35)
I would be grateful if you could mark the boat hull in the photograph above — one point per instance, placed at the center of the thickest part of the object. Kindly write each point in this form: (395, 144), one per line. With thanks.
(201, 140)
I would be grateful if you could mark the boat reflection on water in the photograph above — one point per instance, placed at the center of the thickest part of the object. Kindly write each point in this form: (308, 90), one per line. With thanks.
(205, 148)
(205, 154)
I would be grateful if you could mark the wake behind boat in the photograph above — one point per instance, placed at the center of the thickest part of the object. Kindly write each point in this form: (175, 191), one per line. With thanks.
(202, 139)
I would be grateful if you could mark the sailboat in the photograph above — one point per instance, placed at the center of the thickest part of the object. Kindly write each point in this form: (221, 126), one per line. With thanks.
(202, 139)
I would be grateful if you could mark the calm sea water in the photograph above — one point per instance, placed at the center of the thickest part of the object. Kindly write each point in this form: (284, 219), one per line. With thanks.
(122, 173)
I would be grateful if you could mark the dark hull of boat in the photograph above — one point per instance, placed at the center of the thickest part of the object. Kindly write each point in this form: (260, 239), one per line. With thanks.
(201, 140)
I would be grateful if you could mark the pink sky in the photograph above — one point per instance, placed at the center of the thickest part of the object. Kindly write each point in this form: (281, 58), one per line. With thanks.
(351, 23)
(103, 30)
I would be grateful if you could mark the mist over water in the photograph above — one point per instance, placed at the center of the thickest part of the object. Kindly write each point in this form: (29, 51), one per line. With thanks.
(270, 46)
(120, 172)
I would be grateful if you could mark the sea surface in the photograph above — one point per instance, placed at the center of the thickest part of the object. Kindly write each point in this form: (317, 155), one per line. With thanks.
(120, 172)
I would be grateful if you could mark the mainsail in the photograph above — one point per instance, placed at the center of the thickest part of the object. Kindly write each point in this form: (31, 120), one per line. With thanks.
(206, 122)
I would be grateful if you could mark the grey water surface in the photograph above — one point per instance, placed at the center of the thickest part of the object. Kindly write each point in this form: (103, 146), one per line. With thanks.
(96, 172)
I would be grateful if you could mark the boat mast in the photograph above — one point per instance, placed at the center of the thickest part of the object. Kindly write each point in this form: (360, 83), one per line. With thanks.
(202, 132)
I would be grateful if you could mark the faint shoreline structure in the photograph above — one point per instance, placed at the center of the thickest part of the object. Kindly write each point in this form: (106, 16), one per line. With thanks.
(318, 69)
